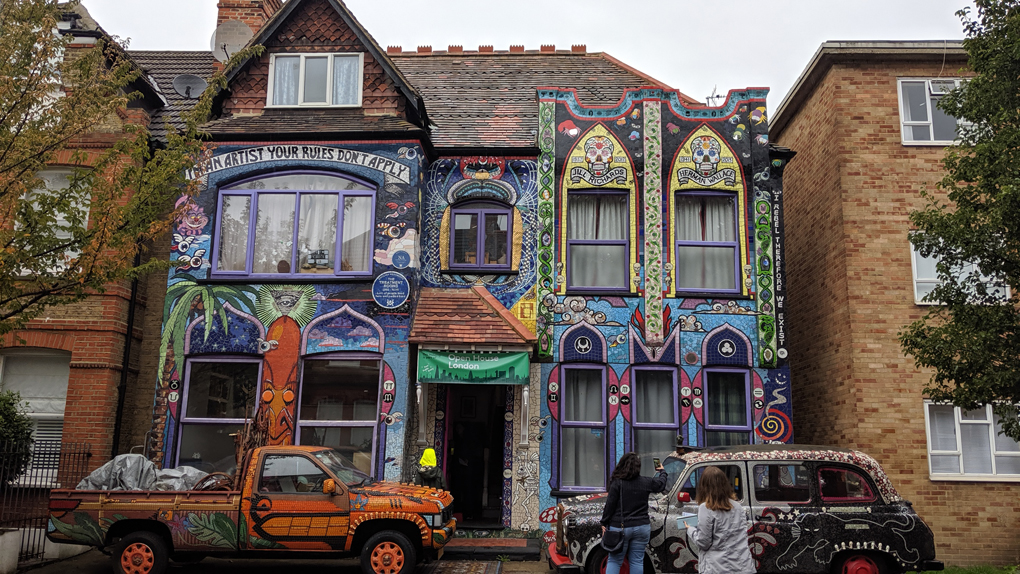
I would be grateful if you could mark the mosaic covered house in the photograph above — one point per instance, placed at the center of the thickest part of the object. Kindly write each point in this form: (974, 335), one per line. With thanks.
(561, 260)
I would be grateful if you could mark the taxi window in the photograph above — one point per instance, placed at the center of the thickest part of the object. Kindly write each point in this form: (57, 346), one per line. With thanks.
(843, 485)
(781, 483)
(732, 471)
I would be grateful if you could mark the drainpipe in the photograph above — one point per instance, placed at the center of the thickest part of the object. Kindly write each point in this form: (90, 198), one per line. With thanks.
(129, 338)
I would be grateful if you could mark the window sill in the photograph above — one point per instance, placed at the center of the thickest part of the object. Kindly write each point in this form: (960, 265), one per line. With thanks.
(929, 143)
(299, 279)
(480, 271)
(594, 292)
(556, 493)
(312, 106)
(974, 477)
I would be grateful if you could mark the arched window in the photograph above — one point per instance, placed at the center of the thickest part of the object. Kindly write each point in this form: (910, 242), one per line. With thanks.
(295, 224)
(480, 237)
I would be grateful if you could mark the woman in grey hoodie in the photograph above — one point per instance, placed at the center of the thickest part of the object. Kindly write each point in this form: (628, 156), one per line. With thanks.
(721, 533)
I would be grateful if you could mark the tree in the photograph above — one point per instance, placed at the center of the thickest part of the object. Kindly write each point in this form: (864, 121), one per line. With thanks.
(972, 339)
(61, 244)
(15, 437)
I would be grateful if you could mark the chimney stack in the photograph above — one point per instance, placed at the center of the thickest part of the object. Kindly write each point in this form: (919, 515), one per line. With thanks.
(254, 13)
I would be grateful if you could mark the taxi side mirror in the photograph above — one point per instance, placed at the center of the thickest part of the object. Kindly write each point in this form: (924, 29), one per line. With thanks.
(683, 497)
(329, 486)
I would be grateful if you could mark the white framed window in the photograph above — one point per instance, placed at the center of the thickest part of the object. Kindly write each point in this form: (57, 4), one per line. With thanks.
(966, 445)
(56, 181)
(921, 120)
(320, 80)
(926, 277)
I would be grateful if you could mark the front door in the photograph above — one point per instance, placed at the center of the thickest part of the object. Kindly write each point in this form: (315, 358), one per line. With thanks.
(288, 509)
(475, 453)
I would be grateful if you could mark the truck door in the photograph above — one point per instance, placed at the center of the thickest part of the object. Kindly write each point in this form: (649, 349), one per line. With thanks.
(288, 509)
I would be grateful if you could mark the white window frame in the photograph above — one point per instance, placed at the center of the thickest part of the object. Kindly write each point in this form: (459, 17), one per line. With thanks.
(929, 93)
(962, 475)
(934, 281)
(329, 80)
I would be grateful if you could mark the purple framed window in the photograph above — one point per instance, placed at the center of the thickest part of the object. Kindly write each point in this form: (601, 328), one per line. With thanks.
(339, 404)
(707, 250)
(597, 232)
(219, 394)
(480, 237)
(583, 428)
(654, 409)
(296, 224)
(727, 406)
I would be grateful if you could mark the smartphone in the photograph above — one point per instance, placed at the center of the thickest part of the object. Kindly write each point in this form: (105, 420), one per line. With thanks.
(656, 463)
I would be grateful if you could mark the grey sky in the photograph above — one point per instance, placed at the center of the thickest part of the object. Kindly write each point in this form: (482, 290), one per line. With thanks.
(695, 47)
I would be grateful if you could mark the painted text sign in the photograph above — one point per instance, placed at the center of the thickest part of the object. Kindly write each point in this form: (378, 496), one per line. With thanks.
(261, 154)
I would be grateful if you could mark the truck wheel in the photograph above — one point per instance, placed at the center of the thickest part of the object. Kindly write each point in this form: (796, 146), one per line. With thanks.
(388, 552)
(862, 564)
(141, 552)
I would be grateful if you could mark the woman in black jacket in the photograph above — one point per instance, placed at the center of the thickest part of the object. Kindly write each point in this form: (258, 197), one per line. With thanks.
(631, 512)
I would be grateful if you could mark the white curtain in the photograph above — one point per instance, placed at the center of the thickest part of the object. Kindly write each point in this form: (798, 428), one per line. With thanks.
(705, 219)
(274, 233)
(593, 217)
(654, 404)
(317, 233)
(234, 223)
(285, 80)
(346, 77)
(40, 378)
(357, 245)
(584, 449)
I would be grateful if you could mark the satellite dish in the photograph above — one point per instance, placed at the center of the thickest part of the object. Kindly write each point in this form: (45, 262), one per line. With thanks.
(189, 85)
(229, 38)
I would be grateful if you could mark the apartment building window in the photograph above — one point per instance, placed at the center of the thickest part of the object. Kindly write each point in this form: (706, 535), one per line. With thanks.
(219, 394)
(295, 225)
(707, 253)
(656, 422)
(967, 445)
(319, 80)
(583, 429)
(727, 407)
(480, 237)
(921, 119)
(926, 278)
(597, 232)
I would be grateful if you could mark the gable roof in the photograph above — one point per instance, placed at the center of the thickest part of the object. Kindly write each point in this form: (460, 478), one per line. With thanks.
(486, 100)
(162, 67)
(466, 316)
(414, 99)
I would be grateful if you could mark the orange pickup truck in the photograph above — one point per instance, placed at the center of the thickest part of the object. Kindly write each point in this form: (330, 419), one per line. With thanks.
(294, 502)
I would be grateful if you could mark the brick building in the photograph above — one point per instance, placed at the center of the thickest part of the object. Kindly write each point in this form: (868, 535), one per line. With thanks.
(869, 137)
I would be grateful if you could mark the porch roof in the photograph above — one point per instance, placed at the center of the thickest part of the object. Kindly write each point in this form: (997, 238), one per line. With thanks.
(466, 316)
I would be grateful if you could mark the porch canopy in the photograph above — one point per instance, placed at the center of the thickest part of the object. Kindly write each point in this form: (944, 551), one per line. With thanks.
(473, 368)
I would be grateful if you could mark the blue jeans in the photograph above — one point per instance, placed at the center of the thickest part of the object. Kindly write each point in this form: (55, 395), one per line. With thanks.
(635, 539)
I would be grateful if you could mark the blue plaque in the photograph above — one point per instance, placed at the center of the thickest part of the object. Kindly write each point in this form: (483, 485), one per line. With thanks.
(401, 259)
(391, 290)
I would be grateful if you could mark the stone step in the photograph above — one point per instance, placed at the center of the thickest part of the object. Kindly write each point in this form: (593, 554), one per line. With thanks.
(493, 549)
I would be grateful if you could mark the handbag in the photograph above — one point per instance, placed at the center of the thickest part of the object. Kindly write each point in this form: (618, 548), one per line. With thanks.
(612, 540)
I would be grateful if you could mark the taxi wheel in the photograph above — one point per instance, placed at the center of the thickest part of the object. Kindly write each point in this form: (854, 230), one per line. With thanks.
(388, 552)
(141, 552)
(862, 564)
(599, 558)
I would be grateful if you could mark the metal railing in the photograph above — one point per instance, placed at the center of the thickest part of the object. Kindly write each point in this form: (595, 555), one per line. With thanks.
(28, 471)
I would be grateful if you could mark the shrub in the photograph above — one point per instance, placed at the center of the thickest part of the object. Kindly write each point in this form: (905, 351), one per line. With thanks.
(15, 437)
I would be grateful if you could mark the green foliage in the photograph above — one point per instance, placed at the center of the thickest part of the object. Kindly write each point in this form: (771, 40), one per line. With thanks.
(972, 340)
(84, 529)
(215, 529)
(60, 245)
(982, 570)
(15, 437)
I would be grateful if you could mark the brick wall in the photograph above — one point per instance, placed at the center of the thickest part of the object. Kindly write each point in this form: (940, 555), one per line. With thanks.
(849, 193)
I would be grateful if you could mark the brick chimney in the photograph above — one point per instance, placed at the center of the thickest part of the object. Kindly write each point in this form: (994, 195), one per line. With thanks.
(254, 13)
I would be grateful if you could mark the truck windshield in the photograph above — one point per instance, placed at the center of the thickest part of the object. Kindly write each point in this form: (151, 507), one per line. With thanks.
(342, 467)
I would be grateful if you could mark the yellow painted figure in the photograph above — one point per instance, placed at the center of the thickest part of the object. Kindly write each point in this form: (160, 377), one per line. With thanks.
(428, 474)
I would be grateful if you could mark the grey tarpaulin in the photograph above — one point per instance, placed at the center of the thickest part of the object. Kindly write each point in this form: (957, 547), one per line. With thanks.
(135, 472)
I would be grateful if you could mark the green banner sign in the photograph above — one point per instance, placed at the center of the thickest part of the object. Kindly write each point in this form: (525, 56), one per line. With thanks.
(473, 368)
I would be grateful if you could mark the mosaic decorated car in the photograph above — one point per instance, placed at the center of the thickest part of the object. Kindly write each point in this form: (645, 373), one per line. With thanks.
(298, 498)
(810, 510)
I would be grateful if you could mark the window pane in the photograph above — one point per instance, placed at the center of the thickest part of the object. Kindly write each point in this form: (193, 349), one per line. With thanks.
(302, 182)
(706, 267)
(496, 227)
(945, 463)
(653, 397)
(584, 457)
(315, 80)
(924, 267)
(346, 80)
(222, 390)
(582, 395)
(465, 238)
(782, 483)
(1007, 465)
(1002, 442)
(285, 80)
(598, 266)
(915, 101)
(208, 447)
(726, 438)
(843, 484)
(274, 233)
(919, 133)
(339, 390)
(593, 216)
(234, 223)
(317, 233)
(978, 414)
(354, 442)
(703, 218)
(291, 475)
(653, 443)
(732, 471)
(943, 427)
(39, 377)
(943, 124)
(976, 450)
(922, 289)
(727, 399)
(357, 246)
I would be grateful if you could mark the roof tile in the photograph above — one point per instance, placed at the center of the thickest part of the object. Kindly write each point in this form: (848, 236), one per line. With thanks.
(466, 316)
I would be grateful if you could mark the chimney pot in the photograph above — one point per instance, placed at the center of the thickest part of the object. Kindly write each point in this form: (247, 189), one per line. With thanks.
(393, 49)
(484, 48)
(548, 47)
(516, 48)
(456, 49)
(424, 49)
(579, 48)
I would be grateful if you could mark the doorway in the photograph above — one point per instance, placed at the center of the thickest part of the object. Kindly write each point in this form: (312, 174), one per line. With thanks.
(475, 453)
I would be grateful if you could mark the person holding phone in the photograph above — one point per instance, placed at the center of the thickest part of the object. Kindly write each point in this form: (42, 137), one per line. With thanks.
(627, 509)
(721, 533)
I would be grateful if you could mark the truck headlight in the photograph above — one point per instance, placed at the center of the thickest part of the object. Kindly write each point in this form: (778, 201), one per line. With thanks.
(433, 520)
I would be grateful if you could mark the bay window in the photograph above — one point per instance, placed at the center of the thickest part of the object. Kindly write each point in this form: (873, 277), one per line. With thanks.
(583, 429)
(333, 80)
(707, 250)
(597, 242)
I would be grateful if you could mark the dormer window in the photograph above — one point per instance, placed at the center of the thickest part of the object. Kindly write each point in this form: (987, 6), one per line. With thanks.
(321, 80)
